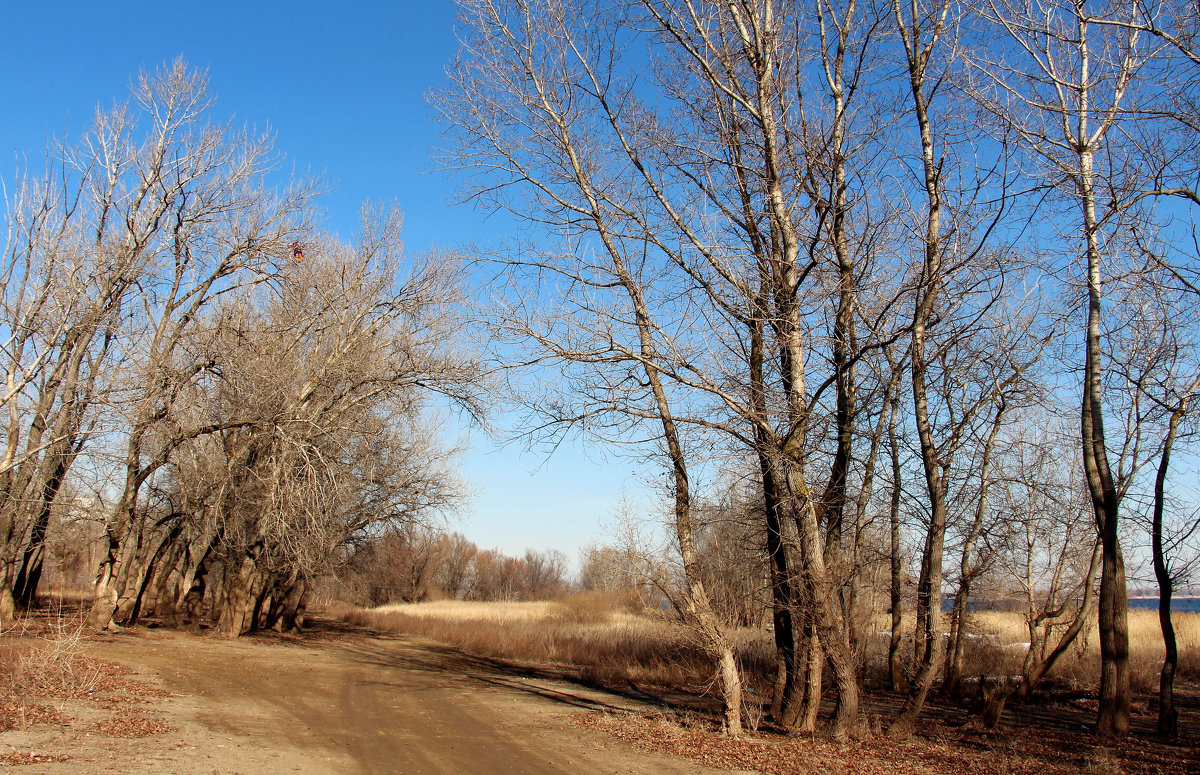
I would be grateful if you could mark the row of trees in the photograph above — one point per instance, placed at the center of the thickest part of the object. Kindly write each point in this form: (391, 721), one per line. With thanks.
(416, 562)
(870, 257)
(232, 394)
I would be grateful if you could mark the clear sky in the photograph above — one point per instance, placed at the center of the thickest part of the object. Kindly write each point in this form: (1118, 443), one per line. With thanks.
(342, 86)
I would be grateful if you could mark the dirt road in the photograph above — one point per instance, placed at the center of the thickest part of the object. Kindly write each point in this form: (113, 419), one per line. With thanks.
(348, 703)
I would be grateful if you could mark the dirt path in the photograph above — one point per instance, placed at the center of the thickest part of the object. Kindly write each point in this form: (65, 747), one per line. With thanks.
(346, 703)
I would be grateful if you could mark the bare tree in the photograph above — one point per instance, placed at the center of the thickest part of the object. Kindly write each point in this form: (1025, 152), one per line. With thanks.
(1160, 361)
(453, 572)
(732, 226)
(960, 288)
(1088, 87)
(334, 441)
(100, 232)
(190, 201)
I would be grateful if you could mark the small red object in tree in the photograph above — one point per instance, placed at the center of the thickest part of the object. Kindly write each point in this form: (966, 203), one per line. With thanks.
(297, 251)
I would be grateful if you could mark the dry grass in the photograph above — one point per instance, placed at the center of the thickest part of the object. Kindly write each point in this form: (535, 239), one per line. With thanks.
(58, 596)
(1080, 664)
(606, 643)
(613, 647)
(471, 611)
(602, 642)
(1002, 639)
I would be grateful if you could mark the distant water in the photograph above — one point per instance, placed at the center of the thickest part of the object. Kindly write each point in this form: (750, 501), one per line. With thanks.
(1178, 604)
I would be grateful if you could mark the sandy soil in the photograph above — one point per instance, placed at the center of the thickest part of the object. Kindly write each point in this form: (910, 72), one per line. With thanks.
(332, 703)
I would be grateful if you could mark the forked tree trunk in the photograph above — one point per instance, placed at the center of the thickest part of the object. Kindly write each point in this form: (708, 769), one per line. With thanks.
(263, 598)
(831, 628)
(783, 591)
(29, 575)
(1113, 717)
(163, 593)
(193, 567)
(140, 573)
(100, 615)
(190, 606)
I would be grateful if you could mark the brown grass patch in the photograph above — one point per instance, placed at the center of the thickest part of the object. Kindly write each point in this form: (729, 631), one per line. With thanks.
(473, 611)
(607, 644)
(998, 642)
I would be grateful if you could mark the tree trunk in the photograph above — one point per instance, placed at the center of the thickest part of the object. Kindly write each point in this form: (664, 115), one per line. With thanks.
(291, 614)
(814, 676)
(1113, 716)
(699, 606)
(105, 604)
(782, 590)
(958, 639)
(240, 597)
(190, 607)
(193, 568)
(895, 589)
(927, 637)
(966, 572)
(141, 573)
(263, 598)
(30, 573)
(1168, 715)
(8, 606)
(831, 629)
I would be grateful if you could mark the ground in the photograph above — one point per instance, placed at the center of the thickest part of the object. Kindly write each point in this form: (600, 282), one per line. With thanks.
(341, 699)
(333, 702)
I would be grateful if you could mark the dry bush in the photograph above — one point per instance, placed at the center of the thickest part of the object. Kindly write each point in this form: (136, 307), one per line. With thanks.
(41, 657)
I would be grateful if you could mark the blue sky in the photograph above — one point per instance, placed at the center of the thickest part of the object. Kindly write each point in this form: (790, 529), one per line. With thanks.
(342, 87)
